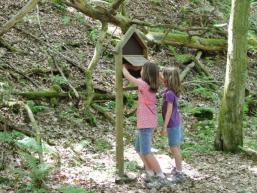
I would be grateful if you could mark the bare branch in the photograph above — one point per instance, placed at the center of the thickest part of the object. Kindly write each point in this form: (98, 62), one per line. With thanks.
(15, 19)
(115, 5)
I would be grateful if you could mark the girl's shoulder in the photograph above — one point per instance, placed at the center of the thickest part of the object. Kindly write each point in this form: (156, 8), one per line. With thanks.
(169, 92)
(142, 82)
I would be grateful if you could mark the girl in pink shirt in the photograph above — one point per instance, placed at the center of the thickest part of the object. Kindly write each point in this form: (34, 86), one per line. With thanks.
(146, 116)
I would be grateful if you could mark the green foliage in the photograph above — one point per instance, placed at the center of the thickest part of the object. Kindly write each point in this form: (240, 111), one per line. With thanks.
(74, 189)
(70, 112)
(160, 119)
(102, 145)
(250, 132)
(5, 91)
(110, 104)
(10, 137)
(131, 166)
(205, 130)
(203, 133)
(109, 1)
(81, 18)
(6, 137)
(59, 5)
(203, 113)
(180, 58)
(35, 108)
(59, 80)
(130, 99)
(90, 118)
(252, 36)
(205, 93)
(93, 34)
(205, 13)
(4, 180)
(36, 171)
(161, 142)
(66, 20)
(156, 2)
(30, 143)
(38, 175)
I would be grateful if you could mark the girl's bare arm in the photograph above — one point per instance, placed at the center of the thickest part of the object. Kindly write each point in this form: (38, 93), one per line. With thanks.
(168, 115)
(129, 76)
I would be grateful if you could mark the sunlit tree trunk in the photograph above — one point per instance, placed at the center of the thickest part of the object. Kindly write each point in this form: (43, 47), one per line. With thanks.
(230, 122)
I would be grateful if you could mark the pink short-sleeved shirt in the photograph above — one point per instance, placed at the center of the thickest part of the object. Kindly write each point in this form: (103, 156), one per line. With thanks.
(146, 110)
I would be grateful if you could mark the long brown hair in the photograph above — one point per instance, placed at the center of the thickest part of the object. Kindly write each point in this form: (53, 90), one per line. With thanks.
(172, 80)
(151, 75)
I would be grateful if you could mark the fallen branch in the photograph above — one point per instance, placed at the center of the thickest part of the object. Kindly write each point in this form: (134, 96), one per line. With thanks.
(70, 85)
(189, 66)
(36, 128)
(201, 82)
(22, 74)
(200, 67)
(56, 94)
(9, 47)
(103, 111)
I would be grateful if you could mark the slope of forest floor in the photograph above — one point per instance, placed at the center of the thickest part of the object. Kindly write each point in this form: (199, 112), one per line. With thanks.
(86, 153)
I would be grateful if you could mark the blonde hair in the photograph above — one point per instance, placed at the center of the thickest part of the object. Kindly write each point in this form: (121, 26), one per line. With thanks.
(172, 80)
(151, 75)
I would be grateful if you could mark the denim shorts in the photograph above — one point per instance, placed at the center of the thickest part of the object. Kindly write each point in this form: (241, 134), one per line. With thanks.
(143, 142)
(175, 136)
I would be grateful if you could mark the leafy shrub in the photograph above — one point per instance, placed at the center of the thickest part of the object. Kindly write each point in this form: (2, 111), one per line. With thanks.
(35, 108)
(102, 145)
(66, 20)
(59, 5)
(205, 93)
(131, 166)
(59, 80)
(92, 33)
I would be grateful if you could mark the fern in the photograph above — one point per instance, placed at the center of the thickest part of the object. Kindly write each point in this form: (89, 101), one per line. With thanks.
(6, 137)
(30, 144)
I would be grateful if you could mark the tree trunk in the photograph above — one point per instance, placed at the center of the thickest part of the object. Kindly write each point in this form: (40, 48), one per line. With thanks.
(15, 19)
(230, 122)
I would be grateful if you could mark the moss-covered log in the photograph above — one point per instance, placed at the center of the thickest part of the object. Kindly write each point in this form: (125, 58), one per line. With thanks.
(56, 94)
(183, 39)
(43, 93)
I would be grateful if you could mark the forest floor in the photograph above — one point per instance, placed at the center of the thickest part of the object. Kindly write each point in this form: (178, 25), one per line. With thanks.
(86, 153)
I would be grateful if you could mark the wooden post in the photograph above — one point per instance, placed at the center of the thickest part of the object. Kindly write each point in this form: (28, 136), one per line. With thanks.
(119, 114)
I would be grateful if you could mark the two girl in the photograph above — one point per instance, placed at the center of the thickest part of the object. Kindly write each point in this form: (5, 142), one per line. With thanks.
(147, 117)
